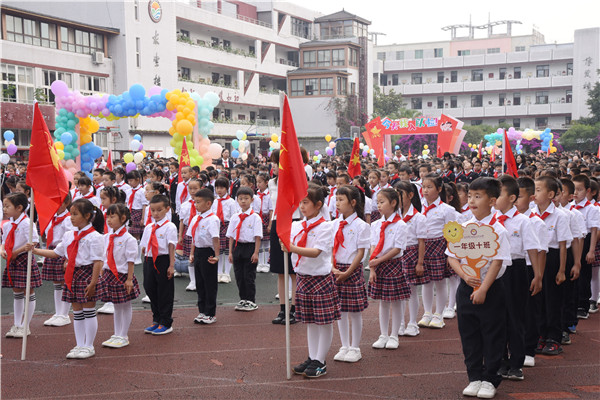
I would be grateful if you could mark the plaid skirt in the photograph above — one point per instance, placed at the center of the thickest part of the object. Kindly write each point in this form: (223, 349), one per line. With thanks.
(375, 215)
(390, 284)
(317, 300)
(435, 259)
(596, 262)
(223, 240)
(409, 266)
(134, 226)
(187, 243)
(52, 268)
(353, 291)
(115, 289)
(18, 273)
(81, 279)
(265, 223)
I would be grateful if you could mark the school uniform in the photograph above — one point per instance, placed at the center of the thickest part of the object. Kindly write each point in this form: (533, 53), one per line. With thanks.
(224, 208)
(233, 188)
(98, 188)
(203, 229)
(136, 202)
(264, 210)
(570, 288)
(52, 268)
(438, 214)
(244, 228)
(375, 215)
(482, 327)
(333, 211)
(123, 249)
(354, 234)
(316, 297)
(187, 212)
(157, 285)
(95, 200)
(386, 234)
(394, 179)
(368, 206)
(449, 176)
(466, 213)
(330, 198)
(182, 195)
(124, 186)
(15, 272)
(416, 228)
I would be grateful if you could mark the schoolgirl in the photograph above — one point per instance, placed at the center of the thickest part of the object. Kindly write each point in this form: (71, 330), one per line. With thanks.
(361, 183)
(87, 191)
(186, 213)
(265, 212)
(374, 179)
(121, 183)
(223, 207)
(462, 189)
(136, 201)
(384, 180)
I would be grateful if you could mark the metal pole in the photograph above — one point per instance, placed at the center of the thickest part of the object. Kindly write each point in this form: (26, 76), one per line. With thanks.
(503, 150)
(286, 277)
(28, 284)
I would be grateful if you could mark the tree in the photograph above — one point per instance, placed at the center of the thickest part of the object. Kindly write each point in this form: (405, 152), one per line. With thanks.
(582, 137)
(593, 102)
(390, 105)
(347, 113)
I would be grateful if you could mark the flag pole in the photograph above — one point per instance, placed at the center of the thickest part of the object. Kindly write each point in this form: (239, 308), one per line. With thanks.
(504, 144)
(286, 277)
(28, 284)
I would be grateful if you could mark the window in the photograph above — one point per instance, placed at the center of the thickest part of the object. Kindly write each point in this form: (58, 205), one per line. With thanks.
(416, 78)
(312, 87)
(226, 44)
(185, 73)
(381, 55)
(476, 100)
(476, 122)
(342, 86)
(453, 76)
(541, 97)
(214, 41)
(216, 113)
(418, 54)
(51, 76)
(81, 42)
(501, 99)
(399, 55)
(493, 50)
(440, 76)
(476, 75)
(542, 71)
(338, 57)
(228, 114)
(501, 121)
(215, 77)
(416, 103)
(440, 102)
(569, 68)
(517, 72)
(324, 58)
(136, 10)
(297, 87)
(309, 58)
(89, 84)
(464, 52)
(32, 32)
(227, 80)
(353, 88)
(516, 122)
(541, 122)
(569, 98)
(437, 53)
(17, 83)
(326, 86)
(395, 79)
(138, 52)
(568, 120)
(383, 80)
(184, 33)
(520, 48)
(516, 99)
(502, 73)
(453, 101)
(301, 28)
(353, 57)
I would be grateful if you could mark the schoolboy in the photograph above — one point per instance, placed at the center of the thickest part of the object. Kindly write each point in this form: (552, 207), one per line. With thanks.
(108, 178)
(404, 173)
(341, 180)
(235, 182)
(97, 180)
(393, 170)
(245, 234)
(558, 234)
(204, 229)
(523, 240)
(224, 207)
(331, 184)
(482, 312)
(183, 194)
(158, 245)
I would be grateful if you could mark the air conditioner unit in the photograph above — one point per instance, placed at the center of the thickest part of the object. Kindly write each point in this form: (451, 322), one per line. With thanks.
(98, 57)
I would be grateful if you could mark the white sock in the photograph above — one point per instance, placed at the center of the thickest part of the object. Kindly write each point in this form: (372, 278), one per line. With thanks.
(427, 293)
(64, 308)
(91, 326)
(384, 317)
(344, 328)
(221, 267)
(453, 282)
(357, 325)
(79, 327)
(595, 283)
(192, 272)
(413, 305)
(397, 307)
(57, 298)
(117, 321)
(31, 308)
(19, 308)
(441, 295)
(227, 266)
(325, 338)
(125, 313)
(312, 337)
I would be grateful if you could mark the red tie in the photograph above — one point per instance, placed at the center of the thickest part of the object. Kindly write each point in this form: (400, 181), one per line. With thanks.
(55, 222)
(89, 195)
(339, 239)
(409, 217)
(105, 222)
(384, 226)
(154, 243)
(261, 195)
(132, 196)
(503, 218)
(184, 193)
(195, 226)
(333, 190)
(544, 215)
(428, 208)
(533, 215)
(110, 257)
(72, 254)
(220, 208)
(193, 211)
(149, 218)
(10, 243)
(243, 216)
(587, 203)
(304, 233)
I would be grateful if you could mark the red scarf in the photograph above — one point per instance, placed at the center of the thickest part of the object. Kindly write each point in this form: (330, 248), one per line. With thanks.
(220, 208)
(193, 211)
(153, 242)
(262, 195)
(304, 232)
(110, 257)
(409, 217)
(545, 215)
(55, 222)
(503, 218)
(184, 192)
(10, 243)
(132, 196)
(72, 251)
(89, 195)
(578, 207)
(339, 239)
(429, 208)
(195, 226)
(238, 229)
(394, 177)
(384, 226)
(149, 217)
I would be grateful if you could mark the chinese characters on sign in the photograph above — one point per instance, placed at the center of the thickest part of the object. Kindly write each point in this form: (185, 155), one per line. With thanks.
(155, 41)
(587, 74)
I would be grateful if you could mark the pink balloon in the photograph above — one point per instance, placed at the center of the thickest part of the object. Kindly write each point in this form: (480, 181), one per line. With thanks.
(70, 164)
(68, 175)
(154, 90)
(130, 167)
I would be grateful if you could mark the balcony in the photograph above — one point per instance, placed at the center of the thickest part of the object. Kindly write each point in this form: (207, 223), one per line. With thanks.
(517, 84)
(470, 112)
(539, 109)
(453, 87)
(516, 110)
(232, 94)
(565, 80)
(495, 111)
(544, 82)
(432, 88)
(477, 86)
(495, 84)
(202, 43)
(561, 108)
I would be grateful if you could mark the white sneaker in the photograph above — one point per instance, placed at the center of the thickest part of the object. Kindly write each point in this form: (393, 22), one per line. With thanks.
(353, 355)
(146, 299)
(50, 321)
(341, 355)
(200, 318)
(529, 361)
(240, 305)
(74, 351)
(486, 391)
(21, 331)
(85, 352)
(107, 308)
(250, 306)
(62, 320)
(277, 296)
(120, 341)
(191, 287)
(177, 274)
(411, 330)
(426, 320)
(226, 278)
(472, 389)
(220, 278)
(209, 320)
(402, 330)
(110, 342)
(437, 321)
(449, 313)
(381, 342)
(11, 333)
(392, 343)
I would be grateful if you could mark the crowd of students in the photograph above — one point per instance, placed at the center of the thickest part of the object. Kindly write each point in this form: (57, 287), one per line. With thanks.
(389, 221)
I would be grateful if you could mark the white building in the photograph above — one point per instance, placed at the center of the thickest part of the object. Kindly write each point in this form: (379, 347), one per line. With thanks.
(517, 80)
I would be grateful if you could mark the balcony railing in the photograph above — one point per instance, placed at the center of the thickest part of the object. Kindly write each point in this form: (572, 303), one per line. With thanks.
(203, 81)
(288, 62)
(202, 43)
(218, 10)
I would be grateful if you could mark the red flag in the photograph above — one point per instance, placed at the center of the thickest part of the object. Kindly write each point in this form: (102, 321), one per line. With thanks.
(374, 138)
(354, 165)
(493, 156)
(109, 165)
(439, 152)
(480, 150)
(409, 154)
(45, 174)
(509, 158)
(184, 159)
(291, 183)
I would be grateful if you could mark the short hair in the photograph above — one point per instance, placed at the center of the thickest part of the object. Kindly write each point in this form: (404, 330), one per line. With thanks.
(423, 165)
(462, 187)
(84, 180)
(245, 190)
(345, 177)
(111, 175)
(134, 175)
(222, 182)
(582, 179)
(552, 184)
(161, 198)
(331, 174)
(510, 185)
(567, 185)
(528, 184)
(99, 170)
(405, 168)
(491, 186)
(205, 194)
(119, 209)
(175, 164)
(394, 163)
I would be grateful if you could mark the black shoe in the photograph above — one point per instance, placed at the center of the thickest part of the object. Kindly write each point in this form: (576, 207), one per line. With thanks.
(316, 369)
(279, 319)
(503, 371)
(582, 314)
(593, 307)
(566, 339)
(552, 348)
(515, 374)
(292, 318)
(540, 346)
(300, 368)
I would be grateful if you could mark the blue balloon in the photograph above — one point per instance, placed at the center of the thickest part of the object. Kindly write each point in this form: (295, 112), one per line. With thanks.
(85, 158)
(235, 154)
(96, 152)
(66, 138)
(86, 166)
(137, 91)
(9, 135)
(396, 147)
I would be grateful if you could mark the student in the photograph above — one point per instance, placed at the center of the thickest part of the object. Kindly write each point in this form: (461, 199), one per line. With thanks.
(462, 189)
(109, 179)
(86, 191)
(374, 178)
(83, 248)
(235, 183)
(187, 211)
(265, 212)
(482, 312)
(361, 183)
(522, 239)
(317, 303)
(224, 208)
(15, 235)
(121, 181)
(122, 287)
(136, 201)
(204, 230)
(386, 281)
(384, 181)
(352, 239)
(52, 268)
(158, 245)
(332, 186)
(393, 172)
(97, 180)
(341, 180)
(183, 194)
(448, 173)
(245, 233)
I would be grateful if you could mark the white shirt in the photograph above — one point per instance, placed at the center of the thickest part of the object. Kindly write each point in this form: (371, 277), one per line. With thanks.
(250, 230)
(357, 235)
(466, 213)
(320, 237)
(273, 193)
(395, 235)
(145, 216)
(229, 205)
(591, 215)
(139, 200)
(437, 217)
(416, 227)
(165, 235)
(521, 234)
(60, 229)
(89, 196)
(21, 232)
(267, 205)
(178, 201)
(124, 187)
(333, 211)
(309, 171)
(185, 210)
(374, 192)
(368, 205)
(125, 250)
(208, 228)
(557, 226)
(91, 247)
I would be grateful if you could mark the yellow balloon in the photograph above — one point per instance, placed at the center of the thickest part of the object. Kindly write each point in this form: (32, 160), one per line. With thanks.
(59, 146)
(425, 147)
(184, 127)
(83, 139)
(61, 154)
(327, 137)
(143, 153)
(274, 138)
(128, 157)
(93, 125)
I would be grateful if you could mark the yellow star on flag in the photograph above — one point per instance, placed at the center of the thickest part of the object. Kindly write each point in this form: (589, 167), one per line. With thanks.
(375, 131)
(355, 159)
(185, 159)
(53, 153)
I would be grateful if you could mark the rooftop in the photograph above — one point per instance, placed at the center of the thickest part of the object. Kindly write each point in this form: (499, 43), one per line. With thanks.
(341, 16)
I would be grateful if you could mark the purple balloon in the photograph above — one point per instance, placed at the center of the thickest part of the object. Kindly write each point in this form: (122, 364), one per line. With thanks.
(11, 149)
(316, 152)
(130, 167)
(364, 153)
(141, 147)
(329, 151)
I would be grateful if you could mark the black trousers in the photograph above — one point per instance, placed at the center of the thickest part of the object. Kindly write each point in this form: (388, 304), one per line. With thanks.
(482, 329)
(245, 271)
(516, 290)
(533, 318)
(160, 289)
(570, 292)
(550, 326)
(585, 277)
(206, 280)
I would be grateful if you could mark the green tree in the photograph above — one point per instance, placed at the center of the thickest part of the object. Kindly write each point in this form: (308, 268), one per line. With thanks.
(348, 113)
(390, 105)
(593, 103)
(581, 137)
